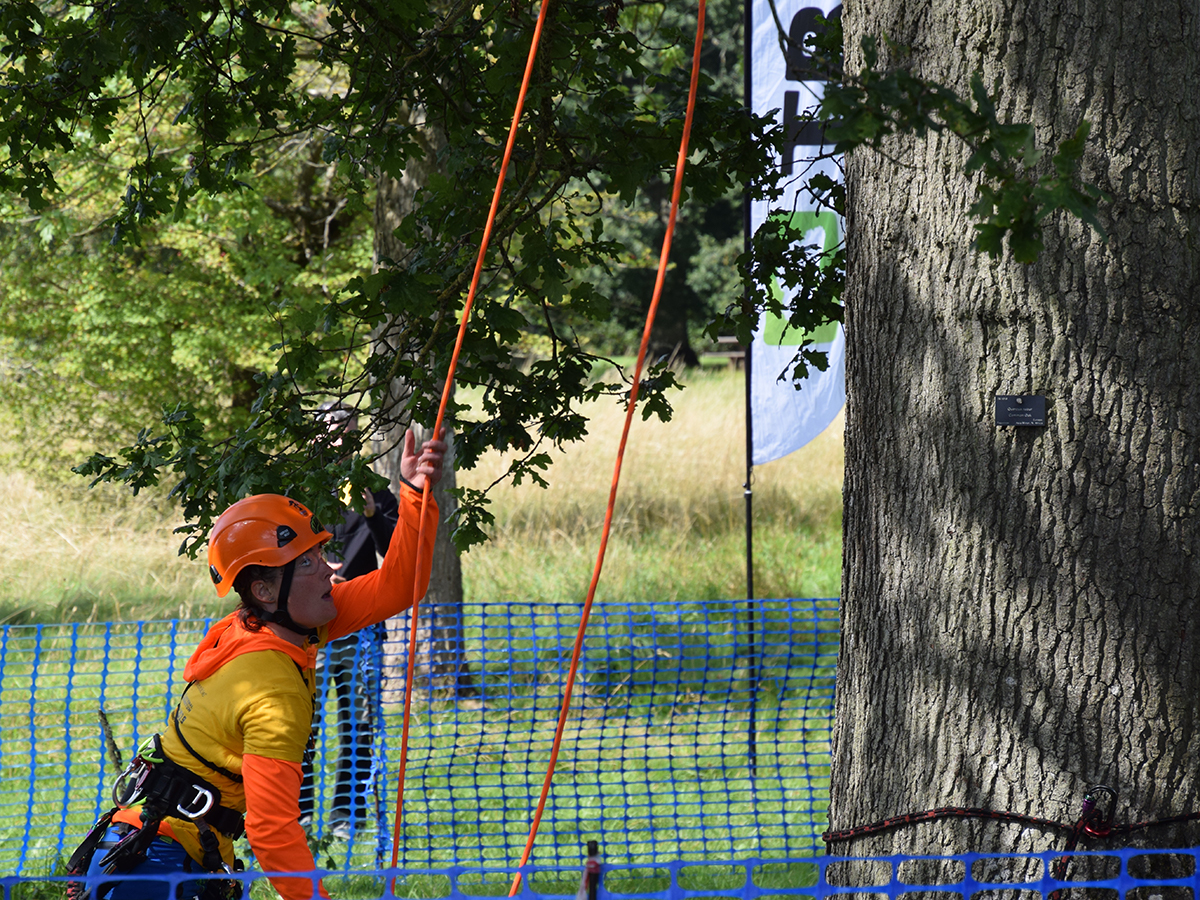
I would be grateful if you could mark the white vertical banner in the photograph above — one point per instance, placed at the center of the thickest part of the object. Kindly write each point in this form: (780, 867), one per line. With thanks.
(783, 80)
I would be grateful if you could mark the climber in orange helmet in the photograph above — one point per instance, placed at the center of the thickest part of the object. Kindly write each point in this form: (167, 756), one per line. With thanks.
(234, 745)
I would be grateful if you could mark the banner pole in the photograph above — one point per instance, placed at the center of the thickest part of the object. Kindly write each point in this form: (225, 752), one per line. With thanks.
(747, 488)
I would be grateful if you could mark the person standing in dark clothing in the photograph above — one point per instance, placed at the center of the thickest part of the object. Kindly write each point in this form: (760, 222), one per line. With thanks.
(350, 664)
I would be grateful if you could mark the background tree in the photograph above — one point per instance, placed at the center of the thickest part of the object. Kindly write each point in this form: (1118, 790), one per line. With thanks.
(96, 340)
(440, 646)
(239, 81)
(1019, 603)
(703, 278)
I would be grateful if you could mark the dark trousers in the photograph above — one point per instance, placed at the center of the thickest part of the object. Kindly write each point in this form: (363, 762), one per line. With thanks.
(350, 665)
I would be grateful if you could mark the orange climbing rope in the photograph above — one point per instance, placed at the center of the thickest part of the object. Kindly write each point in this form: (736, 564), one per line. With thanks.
(437, 427)
(663, 258)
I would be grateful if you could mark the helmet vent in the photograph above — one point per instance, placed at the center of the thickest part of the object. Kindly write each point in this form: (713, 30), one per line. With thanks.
(316, 526)
(284, 535)
(214, 574)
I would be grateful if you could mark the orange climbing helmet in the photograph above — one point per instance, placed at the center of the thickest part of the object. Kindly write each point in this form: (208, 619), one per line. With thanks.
(263, 530)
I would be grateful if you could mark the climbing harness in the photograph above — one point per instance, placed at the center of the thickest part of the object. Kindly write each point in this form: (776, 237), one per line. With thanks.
(162, 788)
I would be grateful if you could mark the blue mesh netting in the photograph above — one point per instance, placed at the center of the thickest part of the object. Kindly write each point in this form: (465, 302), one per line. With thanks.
(1108, 875)
(698, 731)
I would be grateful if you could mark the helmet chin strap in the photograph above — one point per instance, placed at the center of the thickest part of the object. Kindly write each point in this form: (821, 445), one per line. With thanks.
(281, 616)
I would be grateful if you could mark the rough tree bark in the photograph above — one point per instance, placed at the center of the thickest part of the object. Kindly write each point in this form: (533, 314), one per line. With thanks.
(440, 662)
(1020, 604)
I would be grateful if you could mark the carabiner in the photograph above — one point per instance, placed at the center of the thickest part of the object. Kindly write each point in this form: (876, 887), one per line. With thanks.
(127, 789)
(1103, 827)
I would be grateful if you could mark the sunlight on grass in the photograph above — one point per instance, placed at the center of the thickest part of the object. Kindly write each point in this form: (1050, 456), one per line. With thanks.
(93, 556)
(678, 527)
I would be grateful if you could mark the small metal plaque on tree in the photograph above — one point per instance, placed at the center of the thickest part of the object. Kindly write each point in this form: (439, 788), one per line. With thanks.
(1020, 409)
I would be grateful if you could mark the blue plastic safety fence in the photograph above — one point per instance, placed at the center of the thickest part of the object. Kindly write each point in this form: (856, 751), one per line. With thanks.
(659, 762)
(1116, 874)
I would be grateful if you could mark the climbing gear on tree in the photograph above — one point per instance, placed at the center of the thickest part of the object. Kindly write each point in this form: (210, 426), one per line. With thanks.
(1095, 820)
(933, 815)
(1092, 813)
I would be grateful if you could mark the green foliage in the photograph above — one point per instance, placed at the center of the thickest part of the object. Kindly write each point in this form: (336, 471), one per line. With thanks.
(94, 340)
(260, 129)
(200, 99)
(703, 277)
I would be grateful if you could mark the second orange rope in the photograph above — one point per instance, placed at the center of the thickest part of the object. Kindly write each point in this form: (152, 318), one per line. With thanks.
(664, 256)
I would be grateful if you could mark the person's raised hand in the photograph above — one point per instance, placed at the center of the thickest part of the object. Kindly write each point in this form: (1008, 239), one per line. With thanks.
(416, 468)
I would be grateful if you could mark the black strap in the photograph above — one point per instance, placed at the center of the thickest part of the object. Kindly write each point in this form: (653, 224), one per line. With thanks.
(285, 588)
(237, 779)
(212, 850)
(82, 857)
(130, 852)
(228, 821)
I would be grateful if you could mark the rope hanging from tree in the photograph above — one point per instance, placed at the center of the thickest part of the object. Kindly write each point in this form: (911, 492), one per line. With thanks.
(680, 166)
(664, 256)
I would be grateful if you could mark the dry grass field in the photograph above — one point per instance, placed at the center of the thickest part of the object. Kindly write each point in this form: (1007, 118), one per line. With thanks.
(678, 531)
(679, 523)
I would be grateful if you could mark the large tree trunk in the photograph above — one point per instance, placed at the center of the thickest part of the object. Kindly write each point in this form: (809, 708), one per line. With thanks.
(1020, 604)
(440, 662)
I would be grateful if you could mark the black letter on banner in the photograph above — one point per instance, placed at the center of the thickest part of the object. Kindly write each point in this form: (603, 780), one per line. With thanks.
(801, 67)
(800, 64)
